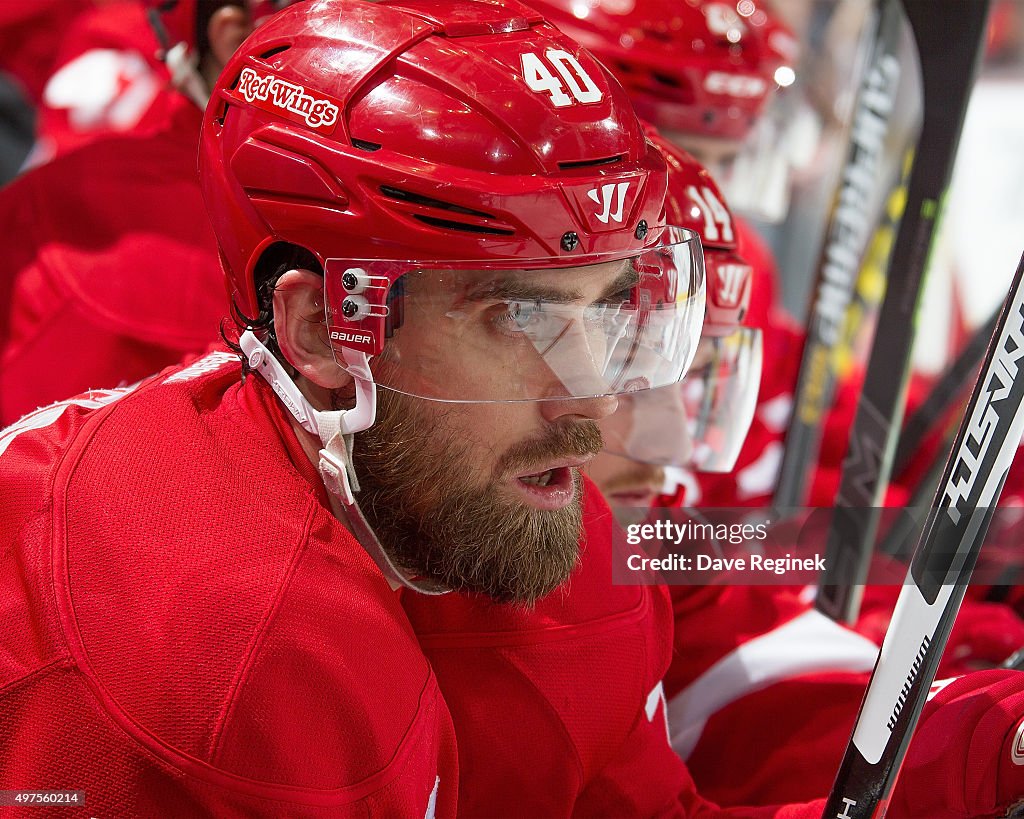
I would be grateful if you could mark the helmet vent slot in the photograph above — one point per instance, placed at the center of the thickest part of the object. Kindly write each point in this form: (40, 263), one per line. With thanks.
(363, 145)
(448, 224)
(590, 163)
(426, 201)
(266, 55)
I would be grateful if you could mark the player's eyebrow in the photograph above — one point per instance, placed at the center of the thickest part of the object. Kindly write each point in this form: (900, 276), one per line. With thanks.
(626, 280)
(517, 289)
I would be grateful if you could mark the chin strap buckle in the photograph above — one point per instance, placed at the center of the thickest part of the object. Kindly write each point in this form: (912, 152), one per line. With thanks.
(336, 469)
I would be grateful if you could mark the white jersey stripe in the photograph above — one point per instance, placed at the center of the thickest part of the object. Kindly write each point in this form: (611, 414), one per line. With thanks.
(808, 643)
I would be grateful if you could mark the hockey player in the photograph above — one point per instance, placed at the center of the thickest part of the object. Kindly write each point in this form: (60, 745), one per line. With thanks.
(278, 639)
(193, 629)
(657, 434)
(745, 658)
(76, 313)
(514, 678)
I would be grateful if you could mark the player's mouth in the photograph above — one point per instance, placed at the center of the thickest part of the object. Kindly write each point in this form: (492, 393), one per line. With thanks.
(553, 486)
(638, 489)
(633, 497)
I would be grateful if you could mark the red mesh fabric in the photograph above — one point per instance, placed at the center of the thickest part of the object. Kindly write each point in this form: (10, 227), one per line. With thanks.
(170, 598)
(54, 736)
(543, 699)
(291, 682)
(231, 650)
(50, 731)
(30, 632)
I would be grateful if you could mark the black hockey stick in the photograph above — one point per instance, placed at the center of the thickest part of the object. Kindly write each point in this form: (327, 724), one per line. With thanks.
(846, 242)
(1015, 660)
(949, 36)
(947, 389)
(902, 535)
(941, 568)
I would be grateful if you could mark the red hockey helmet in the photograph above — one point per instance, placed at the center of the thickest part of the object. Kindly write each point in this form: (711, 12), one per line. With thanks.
(716, 402)
(451, 164)
(694, 201)
(694, 66)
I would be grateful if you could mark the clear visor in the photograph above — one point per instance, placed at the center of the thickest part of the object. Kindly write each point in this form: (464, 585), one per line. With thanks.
(528, 331)
(720, 398)
(700, 423)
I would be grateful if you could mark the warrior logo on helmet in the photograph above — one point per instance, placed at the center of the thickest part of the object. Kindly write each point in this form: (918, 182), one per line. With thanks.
(604, 196)
(732, 280)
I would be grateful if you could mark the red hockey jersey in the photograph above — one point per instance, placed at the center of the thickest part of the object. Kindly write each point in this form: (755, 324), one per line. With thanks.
(560, 709)
(188, 631)
(109, 268)
(757, 662)
(762, 679)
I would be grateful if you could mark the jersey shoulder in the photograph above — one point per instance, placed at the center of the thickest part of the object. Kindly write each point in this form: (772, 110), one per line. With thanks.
(233, 627)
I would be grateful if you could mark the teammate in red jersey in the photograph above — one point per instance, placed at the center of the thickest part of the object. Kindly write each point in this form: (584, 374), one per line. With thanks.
(78, 232)
(732, 645)
(747, 661)
(127, 66)
(657, 433)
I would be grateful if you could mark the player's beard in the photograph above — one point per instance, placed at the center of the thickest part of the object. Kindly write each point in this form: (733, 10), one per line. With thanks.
(413, 470)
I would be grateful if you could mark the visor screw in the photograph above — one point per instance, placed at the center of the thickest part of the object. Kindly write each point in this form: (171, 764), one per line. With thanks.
(570, 241)
(349, 308)
(641, 230)
(355, 280)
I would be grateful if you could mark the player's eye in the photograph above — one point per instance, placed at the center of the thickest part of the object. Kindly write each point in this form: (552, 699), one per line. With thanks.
(515, 317)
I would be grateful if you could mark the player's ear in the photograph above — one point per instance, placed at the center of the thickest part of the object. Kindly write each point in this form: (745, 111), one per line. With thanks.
(228, 27)
(301, 331)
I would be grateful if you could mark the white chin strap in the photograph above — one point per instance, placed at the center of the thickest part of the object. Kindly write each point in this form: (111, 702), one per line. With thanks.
(335, 429)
